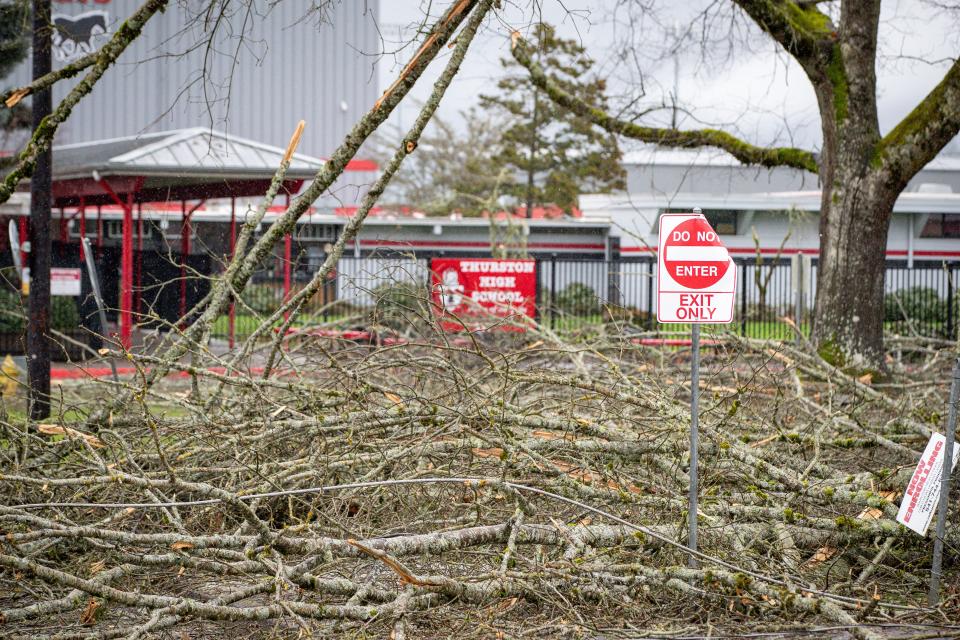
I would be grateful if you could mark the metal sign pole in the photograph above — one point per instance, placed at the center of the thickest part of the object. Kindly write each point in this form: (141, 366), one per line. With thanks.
(95, 287)
(15, 247)
(694, 441)
(933, 597)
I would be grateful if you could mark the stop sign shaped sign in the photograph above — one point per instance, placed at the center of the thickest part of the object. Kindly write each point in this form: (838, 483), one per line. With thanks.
(694, 255)
(696, 279)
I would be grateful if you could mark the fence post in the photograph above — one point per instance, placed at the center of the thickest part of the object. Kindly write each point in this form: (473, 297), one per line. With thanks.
(743, 299)
(651, 322)
(538, 291)
(950, 302)
(553, 291)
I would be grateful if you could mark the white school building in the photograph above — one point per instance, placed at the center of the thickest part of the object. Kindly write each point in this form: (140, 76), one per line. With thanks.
(781, 205)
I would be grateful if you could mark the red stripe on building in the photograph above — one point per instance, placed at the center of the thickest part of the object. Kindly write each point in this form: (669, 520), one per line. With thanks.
(813, 252)
(462, 244)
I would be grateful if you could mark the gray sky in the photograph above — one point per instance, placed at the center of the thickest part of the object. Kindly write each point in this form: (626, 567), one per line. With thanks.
(753, 91)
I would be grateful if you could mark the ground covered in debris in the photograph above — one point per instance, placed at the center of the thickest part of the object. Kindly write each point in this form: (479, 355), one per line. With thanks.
(507, 486)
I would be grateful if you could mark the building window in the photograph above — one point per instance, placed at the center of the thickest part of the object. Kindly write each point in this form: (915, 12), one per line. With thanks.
(113, 229)
(317, 232)
(723, 221)
(941, 225)
(90, 228)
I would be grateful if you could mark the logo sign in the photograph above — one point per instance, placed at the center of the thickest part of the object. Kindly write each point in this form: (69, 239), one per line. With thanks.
(482, 291)
(74, 36)
(922, 496)
(63, 281)
(696, 279)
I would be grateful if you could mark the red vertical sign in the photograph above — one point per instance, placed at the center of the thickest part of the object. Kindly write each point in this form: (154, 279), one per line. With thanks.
(483, 291)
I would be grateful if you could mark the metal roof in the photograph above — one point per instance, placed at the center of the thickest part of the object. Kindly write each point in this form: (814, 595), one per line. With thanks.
(183, 153)
(713, 157)
(602, 205)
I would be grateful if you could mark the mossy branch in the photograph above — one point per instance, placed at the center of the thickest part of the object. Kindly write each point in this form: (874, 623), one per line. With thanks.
(742, 151)
(800, 29)
(12, 97)
(926, 130)
(43, 135)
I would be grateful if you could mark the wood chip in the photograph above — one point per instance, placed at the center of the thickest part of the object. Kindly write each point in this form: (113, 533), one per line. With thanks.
(58, 430)
(181, 544)
(488, 453)
(870, 513)
(822, 555)
(395, 399)
(89, 615)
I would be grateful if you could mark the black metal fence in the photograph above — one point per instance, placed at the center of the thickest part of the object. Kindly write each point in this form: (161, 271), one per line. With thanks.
(920, 299)
(576, 293)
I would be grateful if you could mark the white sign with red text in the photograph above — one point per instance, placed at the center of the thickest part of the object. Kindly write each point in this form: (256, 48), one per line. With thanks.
(922, 496)
(696, 279)
(64, 281)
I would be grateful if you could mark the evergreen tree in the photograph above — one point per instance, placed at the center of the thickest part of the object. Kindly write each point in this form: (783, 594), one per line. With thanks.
(14, 45)
(552, 153)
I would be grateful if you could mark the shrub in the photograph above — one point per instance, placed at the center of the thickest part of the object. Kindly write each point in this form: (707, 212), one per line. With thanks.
(577, 299)
(919, 304)
(395, 301)
(64, 315)
(263, 298)
(11, 318)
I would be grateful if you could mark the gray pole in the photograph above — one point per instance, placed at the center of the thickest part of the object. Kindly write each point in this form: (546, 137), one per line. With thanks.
(694, 440)
(95, 287)
(934, 596)
(798, 303)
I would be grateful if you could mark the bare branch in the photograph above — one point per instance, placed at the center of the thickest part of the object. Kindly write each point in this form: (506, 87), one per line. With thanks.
(743, 151)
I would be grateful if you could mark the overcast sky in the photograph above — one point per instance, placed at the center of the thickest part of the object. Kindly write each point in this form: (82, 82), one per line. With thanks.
(752, 90)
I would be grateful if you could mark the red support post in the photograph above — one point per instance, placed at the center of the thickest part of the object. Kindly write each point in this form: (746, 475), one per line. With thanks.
(126, 276)
(139, 277)
(126, 260)
(83, 226)
(233, 248)
(63, 227)
(184, 252)
(99, 231)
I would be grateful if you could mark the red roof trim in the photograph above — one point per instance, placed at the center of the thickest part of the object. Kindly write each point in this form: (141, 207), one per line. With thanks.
(478, 245)
(362, 165)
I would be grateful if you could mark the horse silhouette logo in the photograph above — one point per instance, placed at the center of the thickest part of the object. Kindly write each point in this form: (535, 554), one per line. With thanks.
(74, 36)
(451, 291)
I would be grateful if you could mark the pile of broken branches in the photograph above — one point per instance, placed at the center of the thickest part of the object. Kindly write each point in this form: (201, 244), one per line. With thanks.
(471, 486)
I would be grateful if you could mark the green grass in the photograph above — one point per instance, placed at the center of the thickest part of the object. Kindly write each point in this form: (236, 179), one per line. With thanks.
(245, 324)
(761, 330)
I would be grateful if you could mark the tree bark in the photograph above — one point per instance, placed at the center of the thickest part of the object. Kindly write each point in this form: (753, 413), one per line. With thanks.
(855, 210)
(848, 320)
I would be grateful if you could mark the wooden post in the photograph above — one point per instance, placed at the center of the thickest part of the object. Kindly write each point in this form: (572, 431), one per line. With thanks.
(38, 350)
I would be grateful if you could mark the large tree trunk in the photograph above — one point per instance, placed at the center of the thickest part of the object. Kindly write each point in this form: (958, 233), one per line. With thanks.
(848, 325)
(856, 206)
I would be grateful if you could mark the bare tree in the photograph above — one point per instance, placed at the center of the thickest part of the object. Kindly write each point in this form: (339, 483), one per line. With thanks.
(862, 172)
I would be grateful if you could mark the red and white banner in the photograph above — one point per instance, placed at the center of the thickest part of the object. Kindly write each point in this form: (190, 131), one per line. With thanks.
(482, 292)
(922, 496)
(696, 279)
